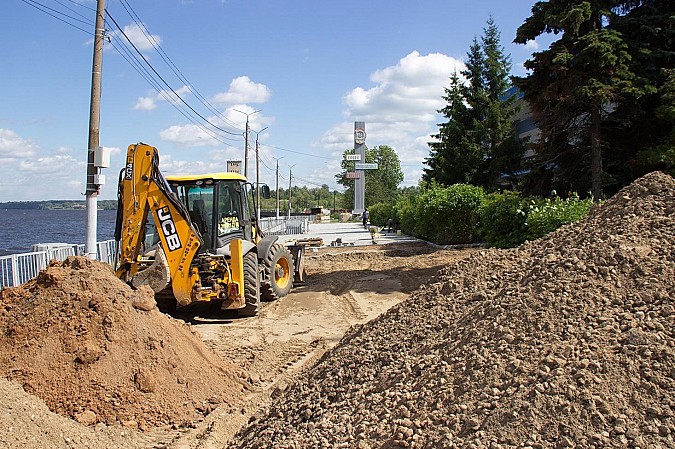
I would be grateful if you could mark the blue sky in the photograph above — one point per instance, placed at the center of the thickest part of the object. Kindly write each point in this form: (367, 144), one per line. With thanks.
(311, 68)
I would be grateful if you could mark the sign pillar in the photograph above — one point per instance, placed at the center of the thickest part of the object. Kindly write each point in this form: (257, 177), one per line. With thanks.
(360, 182)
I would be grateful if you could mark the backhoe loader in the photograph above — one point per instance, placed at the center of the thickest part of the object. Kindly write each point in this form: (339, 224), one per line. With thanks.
(194, 238)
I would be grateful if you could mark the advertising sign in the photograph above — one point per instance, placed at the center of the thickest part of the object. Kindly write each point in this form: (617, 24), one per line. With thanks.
(234, 166)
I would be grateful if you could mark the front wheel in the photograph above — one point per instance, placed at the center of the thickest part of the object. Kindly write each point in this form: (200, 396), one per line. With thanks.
(251, 286)
(277, 273)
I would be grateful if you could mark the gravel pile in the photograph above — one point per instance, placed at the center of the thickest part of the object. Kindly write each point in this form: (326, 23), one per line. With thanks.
(565, 342)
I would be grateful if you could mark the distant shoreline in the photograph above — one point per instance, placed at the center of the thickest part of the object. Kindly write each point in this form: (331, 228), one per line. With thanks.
(57, 205)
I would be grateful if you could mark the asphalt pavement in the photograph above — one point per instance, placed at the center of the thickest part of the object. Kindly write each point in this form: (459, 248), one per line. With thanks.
(350, 233)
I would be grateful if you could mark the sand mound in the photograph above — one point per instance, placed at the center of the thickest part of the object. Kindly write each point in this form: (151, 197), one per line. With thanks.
(72, 337)
(565, 342)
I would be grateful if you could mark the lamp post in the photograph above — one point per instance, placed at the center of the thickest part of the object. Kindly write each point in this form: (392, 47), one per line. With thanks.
(277, 186)
(247, 114)
(257, 172)
(290, 178)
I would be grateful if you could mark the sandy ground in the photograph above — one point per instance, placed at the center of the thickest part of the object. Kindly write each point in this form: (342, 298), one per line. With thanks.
(345, 286)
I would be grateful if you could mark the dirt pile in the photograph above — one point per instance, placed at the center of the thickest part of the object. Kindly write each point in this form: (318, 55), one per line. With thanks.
(72, 337)
(565, 342)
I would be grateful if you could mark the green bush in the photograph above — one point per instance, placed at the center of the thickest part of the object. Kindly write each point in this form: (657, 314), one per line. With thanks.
(463, 213)
(448, 215)
(546, 215)
(407, 215)
(503, 219)
(380, 213)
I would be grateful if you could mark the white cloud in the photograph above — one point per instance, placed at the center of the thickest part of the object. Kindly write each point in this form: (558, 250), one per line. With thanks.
(150, 102)
(53, 167)
(216, 161)
(232, 120)
(399, 110)
(13, 146)
(114, 151)
(39, 178)
(191, 135)
(146, 103)
(29, 173)
(532, 45)
(141, 38)
(243, 90)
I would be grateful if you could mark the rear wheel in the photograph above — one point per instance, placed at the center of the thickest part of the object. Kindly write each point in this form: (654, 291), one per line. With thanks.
(251, 285)
(277, 273)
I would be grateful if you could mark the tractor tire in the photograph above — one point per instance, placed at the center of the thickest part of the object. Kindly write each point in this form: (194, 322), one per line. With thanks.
(277, 273)
(251, 286)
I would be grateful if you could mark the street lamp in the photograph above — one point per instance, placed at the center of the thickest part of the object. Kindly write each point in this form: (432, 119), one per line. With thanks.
(277, 186)
(257, 172)
(247, 114)
(290, 178)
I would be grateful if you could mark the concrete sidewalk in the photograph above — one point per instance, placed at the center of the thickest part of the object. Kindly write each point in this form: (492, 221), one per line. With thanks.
(350, 233)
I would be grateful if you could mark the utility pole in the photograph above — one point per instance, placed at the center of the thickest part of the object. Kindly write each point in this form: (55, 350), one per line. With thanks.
(246, 133)
(257, 171)
(92, 189)
(277, 187)
(246, 150)
(290, 178)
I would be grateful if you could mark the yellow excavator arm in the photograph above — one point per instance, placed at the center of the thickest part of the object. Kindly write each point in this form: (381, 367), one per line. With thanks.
(143, 190)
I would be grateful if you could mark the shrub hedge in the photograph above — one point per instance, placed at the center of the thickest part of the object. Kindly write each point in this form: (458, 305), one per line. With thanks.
(462, 214)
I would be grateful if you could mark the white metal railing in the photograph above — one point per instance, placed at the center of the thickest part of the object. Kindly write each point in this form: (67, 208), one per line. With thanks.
(284, 225)
(15, 269)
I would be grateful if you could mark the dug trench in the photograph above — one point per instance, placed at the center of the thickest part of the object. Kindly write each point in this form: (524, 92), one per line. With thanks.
(88, 362)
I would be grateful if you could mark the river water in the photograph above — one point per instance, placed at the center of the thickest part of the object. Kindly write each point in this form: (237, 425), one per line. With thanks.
(20, 229)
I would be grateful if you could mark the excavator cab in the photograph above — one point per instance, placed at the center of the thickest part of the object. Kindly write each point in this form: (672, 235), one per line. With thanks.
(218, 207)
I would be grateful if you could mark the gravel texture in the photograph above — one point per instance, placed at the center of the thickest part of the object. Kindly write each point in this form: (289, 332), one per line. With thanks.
(564, 342)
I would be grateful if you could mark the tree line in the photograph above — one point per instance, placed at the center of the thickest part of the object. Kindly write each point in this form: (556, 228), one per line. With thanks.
(602, 97)
(516, 157)
(57, 204)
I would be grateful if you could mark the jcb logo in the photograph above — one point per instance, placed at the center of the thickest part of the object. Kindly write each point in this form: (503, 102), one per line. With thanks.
(129, 171)
(168, 228)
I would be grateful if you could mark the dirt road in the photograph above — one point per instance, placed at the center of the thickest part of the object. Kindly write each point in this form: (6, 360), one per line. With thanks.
(566, 341)
(345, 287)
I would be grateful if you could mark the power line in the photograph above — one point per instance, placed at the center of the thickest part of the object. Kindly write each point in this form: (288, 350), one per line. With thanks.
(82, 6)
(45, 9)
(141, 26)
(308, 182)
(299, 152)
(76, 12)
(164, 81)
(133, 60)
(143, 72)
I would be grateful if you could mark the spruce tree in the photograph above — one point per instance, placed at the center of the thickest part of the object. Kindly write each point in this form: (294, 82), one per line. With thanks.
(642, 136)
(574, 85)
(449, 159)
(477, 143)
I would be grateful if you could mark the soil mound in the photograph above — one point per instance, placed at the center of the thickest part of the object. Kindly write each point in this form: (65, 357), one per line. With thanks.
(565, 342)
(95, 350)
